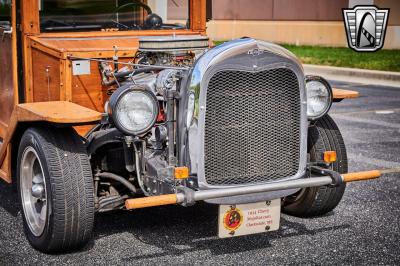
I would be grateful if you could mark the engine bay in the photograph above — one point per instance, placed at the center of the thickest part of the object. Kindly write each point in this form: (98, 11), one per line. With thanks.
(143, 155)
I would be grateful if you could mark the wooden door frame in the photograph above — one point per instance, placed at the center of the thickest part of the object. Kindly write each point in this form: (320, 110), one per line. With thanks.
(31, 26)
(5, 165)
(4, 126)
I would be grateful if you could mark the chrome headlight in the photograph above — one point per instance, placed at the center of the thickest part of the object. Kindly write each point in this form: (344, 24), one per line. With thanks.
(319, 97)
(190, 109)
(133, 109)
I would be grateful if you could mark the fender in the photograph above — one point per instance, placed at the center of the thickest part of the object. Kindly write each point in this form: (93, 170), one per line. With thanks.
(56, 112)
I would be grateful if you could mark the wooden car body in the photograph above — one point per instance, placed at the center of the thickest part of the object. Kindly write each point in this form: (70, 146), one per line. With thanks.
(37, 81)
(37, 68)
(111, 119)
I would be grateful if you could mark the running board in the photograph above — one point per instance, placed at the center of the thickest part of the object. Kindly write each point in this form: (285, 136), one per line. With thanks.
(191, 196)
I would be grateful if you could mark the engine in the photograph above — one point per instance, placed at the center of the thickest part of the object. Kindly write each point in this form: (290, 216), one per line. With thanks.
(139, 135)
(171, 50)
(181, 119)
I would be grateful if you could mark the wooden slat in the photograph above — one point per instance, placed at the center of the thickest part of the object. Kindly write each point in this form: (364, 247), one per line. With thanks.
(5, 169)
(85, 44)
(30, 17)
(45, 48)
(118, 33)
(345, 94)
(361, 176)
(57, 112)
(28, 69)
(154, 201)
(14, 53)
(198, 15)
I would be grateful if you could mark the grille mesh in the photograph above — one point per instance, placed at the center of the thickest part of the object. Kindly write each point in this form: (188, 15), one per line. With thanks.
(252, 127)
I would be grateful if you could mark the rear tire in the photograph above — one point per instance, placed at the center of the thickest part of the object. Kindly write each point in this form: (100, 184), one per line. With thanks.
(323, 135)
(55, 185)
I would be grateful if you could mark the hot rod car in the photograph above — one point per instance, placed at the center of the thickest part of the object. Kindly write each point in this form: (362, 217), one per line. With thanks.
(109, 105)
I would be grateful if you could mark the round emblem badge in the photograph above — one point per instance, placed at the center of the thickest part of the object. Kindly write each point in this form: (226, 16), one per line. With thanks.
(233, 219)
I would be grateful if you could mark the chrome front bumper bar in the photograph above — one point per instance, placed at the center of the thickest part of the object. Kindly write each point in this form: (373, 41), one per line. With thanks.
(187, 196)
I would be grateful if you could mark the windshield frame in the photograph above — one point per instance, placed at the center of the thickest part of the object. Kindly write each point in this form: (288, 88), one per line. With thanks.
(107, 15)
(30, 23)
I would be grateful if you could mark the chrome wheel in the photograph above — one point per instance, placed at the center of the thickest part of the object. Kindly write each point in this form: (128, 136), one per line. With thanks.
(33, 191)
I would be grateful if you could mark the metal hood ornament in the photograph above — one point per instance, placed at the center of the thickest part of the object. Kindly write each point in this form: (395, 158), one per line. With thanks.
(365, 27)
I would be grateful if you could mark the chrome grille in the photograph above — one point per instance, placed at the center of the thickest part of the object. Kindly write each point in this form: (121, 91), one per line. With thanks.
(252, 127)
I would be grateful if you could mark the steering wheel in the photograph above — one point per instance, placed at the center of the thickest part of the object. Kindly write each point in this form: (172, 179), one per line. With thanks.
(134, 4)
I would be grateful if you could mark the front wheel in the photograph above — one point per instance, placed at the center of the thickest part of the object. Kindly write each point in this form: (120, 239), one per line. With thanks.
(323, 135)
(55, 185)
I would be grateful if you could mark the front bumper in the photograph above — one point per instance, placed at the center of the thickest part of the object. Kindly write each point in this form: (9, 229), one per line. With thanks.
(187, 196)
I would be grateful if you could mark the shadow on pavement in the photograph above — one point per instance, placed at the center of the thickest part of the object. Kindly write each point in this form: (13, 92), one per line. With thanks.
(175, 231)
(9, 198)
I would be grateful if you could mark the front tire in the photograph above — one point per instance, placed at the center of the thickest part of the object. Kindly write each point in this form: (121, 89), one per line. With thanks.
(55, 185)
(323, 135)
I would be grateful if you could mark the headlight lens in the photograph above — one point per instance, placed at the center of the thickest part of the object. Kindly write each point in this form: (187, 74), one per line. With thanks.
(134, 110)
(319, 97)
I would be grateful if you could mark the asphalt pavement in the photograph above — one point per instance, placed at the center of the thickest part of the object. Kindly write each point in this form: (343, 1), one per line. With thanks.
(362, 230)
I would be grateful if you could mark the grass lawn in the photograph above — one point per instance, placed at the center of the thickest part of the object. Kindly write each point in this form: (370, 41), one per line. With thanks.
(387, 60)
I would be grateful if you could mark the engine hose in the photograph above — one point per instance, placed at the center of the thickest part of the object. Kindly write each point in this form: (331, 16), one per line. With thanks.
(118, 178)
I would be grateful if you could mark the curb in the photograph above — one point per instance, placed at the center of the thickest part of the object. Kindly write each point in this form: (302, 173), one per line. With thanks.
(373, 77)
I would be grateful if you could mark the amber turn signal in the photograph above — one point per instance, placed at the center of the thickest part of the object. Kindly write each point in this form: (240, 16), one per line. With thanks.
(330, 156)
(181, 172)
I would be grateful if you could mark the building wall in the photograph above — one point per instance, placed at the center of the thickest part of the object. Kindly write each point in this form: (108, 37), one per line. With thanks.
(300, 22)
(321, 10)
(394, 5)
(178, 9)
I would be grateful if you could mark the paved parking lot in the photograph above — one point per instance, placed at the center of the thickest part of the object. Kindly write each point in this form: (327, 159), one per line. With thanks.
(364, 229)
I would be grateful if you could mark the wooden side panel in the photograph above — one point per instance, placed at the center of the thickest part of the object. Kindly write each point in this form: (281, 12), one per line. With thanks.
(56, 112)
(46, 77)
(5, 150)
(87, 90)
(6, 79)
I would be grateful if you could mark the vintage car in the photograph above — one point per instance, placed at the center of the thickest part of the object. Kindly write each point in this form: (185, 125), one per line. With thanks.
(120, 105)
